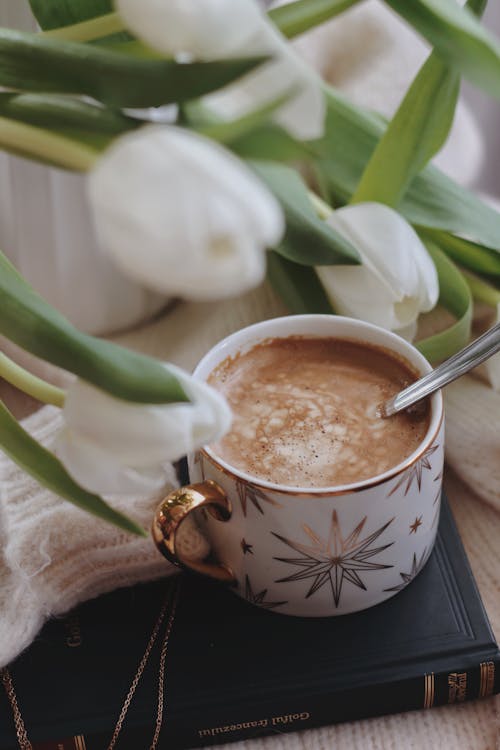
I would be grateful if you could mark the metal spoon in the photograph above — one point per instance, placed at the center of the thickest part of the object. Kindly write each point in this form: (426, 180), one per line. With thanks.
(466, 359)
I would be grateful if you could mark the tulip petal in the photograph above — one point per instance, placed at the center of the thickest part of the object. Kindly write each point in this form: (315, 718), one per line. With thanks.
(203, 29)
(111, 445)
(357, 292)
(183, 215)
(97, 472)
(387, 243)
(397, 279)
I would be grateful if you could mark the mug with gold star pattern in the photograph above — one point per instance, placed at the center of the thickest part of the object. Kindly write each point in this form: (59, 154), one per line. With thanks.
(313, 504)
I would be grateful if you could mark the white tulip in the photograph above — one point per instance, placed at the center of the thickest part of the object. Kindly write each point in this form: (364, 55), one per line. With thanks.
(112, 446)
(220, 29)
(195, 29)
(183, 215)
(397, 279)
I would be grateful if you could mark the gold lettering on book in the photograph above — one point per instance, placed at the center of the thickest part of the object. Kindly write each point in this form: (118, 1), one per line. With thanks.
(487, 678)
(290, 718)
(429, 690)
(256, 724)
(457, 687)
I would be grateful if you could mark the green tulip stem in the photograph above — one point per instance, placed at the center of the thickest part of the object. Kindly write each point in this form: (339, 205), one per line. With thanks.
(42, 145)
(86, 31)
(481, 290)
(322, 209)
(29, 383)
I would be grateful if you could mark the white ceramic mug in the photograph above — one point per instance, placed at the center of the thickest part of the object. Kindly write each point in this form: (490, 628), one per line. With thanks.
(312, 552)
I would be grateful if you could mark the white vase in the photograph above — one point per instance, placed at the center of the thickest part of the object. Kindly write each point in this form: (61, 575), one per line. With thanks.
(47, 232)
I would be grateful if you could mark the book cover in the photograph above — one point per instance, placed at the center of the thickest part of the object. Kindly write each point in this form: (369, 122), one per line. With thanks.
(235, 671)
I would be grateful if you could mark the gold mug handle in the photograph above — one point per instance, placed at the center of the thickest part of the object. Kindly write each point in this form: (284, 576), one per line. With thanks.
(175, 508)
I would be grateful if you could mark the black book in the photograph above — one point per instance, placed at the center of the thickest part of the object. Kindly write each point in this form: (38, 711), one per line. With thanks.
(234, 671)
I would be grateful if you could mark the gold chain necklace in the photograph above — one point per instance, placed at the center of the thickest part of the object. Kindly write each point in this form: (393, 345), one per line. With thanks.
(170, 602)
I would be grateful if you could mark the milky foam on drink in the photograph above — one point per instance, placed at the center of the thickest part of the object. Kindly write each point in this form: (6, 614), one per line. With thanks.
(305, 412)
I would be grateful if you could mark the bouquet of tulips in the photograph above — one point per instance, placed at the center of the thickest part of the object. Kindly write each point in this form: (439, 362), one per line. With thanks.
(214, 155)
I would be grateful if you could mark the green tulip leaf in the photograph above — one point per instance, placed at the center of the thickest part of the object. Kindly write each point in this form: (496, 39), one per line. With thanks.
(251, 136)
(455, 296)
(81, 20)
(416, 133)
(458, 37)
(299, 16)
(481, 290)
(99, 15)
(51, 14)
(30, 322)
(468, 254)
(61, 113)
(32, 62)
(432, 199)
(308, 240)
(269, 142)
(298, 286)
(49, 472)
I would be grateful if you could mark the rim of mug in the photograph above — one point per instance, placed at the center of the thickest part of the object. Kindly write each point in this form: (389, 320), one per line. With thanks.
(437, 410)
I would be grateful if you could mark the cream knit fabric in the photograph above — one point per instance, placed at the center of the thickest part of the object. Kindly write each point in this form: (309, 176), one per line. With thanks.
(53, 555)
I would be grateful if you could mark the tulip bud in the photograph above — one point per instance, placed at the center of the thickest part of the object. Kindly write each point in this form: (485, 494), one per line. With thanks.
(192, 29)
(219, 29)
(183, 215)
(397, 279)
(112, 446)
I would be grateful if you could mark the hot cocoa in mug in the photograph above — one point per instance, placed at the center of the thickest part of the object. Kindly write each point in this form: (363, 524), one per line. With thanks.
(313, 504)
(305, 411)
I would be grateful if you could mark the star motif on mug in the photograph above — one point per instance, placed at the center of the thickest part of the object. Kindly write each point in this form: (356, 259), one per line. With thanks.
(247, 492)
(414, 473)
(416, 567)
(259, 599)
(331, 561)
(416, 523)
(246, 547)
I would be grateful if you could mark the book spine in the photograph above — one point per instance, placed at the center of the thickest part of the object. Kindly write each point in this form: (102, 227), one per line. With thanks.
(230, 725)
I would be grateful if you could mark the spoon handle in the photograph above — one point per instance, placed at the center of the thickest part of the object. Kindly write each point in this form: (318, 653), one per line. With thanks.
(466, 359)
